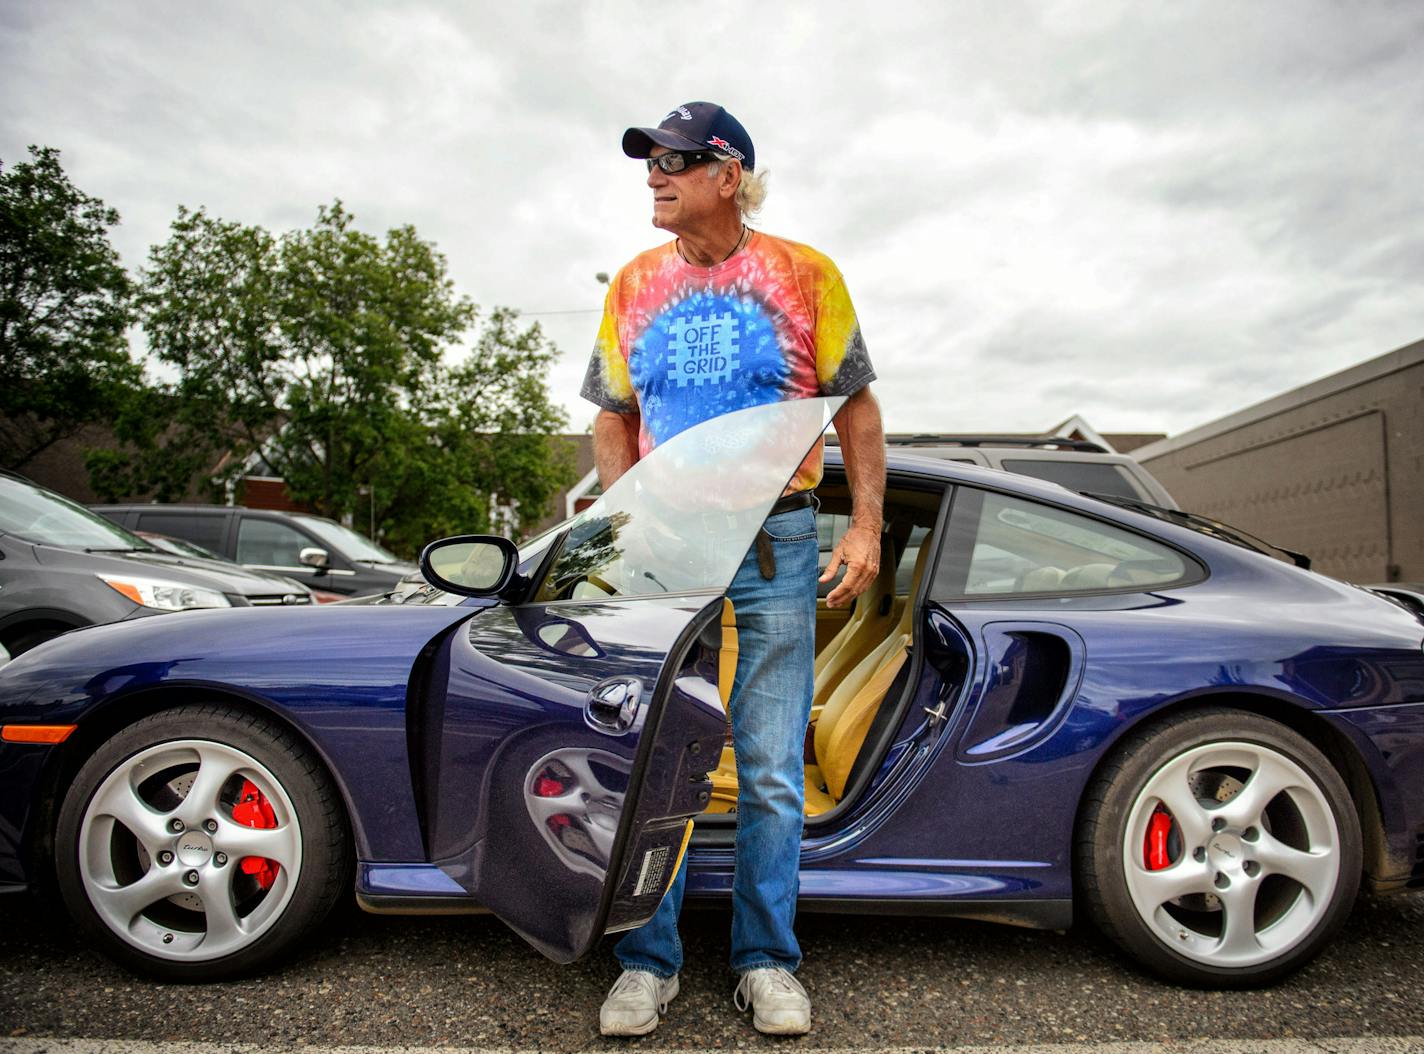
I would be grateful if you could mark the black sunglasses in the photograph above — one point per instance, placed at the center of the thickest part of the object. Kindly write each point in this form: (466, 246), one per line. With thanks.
(676, 162)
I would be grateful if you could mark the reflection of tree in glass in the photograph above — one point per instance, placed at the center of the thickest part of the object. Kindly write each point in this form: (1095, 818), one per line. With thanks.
(592, 547)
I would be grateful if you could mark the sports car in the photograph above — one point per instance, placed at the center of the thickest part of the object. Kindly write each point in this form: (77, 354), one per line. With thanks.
(1049, 706)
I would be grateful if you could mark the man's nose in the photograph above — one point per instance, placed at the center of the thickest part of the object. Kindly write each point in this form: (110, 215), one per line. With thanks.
(657, 177)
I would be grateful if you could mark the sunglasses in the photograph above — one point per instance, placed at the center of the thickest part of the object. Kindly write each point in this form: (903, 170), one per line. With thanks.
(676, 162)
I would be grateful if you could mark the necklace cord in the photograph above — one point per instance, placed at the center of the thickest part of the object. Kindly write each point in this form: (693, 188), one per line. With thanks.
(741, 239)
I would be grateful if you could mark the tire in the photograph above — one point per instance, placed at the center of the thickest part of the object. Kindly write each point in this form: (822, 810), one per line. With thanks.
(1254, 867)
(204, 901)
(33, 638)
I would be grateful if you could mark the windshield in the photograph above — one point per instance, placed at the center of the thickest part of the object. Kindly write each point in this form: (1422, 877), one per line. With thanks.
(682, 518)
(180, 547)
(346, 541)
(43, 517)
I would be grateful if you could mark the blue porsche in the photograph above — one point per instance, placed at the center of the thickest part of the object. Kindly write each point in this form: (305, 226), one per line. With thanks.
(1050, 706)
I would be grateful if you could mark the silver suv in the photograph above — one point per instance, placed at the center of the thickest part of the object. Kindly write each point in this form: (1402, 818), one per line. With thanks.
(1076, 464)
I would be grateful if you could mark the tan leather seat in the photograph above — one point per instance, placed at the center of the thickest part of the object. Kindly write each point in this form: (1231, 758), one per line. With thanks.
(845, 717)
(869, 624)
(1041, 580)
(1088, 576)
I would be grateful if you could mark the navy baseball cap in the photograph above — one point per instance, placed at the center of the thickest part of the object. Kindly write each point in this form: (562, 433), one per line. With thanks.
(694, 126)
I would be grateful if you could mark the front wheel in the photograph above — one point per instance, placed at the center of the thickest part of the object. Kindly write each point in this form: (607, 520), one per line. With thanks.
(1219, 849)
(200, 843)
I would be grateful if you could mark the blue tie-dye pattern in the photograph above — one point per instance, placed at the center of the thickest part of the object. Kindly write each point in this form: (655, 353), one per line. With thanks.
(707, 355)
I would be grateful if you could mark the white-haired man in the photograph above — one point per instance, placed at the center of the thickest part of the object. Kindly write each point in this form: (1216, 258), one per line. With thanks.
(721, 318)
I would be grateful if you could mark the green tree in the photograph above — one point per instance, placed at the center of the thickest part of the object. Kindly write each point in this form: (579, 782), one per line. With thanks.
(64, 311)
(325, 352)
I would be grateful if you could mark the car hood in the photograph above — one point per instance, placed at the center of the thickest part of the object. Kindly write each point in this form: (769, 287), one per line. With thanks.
(332, 651)
(398, 569)
(235, 578)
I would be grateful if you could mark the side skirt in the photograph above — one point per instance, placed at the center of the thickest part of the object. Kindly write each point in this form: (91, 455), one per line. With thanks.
(1027, 914)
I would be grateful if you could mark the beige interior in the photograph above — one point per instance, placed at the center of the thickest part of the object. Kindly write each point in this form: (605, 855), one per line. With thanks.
(866, 628)
(854, 672)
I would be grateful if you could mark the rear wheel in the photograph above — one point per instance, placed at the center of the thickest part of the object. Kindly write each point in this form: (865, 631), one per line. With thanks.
(1219, 848)
(200, 843)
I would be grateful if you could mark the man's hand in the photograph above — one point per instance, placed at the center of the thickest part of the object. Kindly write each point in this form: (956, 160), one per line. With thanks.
(859, 551)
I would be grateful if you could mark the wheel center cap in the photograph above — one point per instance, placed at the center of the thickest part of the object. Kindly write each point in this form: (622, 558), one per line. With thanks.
(1226, 851)
(193, 848)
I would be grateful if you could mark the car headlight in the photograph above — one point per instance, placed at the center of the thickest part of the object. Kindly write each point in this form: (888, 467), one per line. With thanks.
(165, 596)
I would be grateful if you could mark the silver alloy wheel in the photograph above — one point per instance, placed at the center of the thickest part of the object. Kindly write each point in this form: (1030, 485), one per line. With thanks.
(160, 852)
(1257, 854)
(590, 802)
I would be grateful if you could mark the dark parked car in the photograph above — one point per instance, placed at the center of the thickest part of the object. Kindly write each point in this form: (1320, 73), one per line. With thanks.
(197, 556)
(311, 549)
(62, 567)
(1073, 708)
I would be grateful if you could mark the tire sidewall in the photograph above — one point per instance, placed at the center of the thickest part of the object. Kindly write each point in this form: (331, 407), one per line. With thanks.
(1114, 906)
(325, 859)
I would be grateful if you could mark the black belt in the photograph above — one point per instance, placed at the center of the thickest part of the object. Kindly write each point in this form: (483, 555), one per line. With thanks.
(766, 558)
(802, 499)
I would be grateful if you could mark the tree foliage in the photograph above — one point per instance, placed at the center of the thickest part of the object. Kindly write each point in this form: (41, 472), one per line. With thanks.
(324, 353)
(64, 311)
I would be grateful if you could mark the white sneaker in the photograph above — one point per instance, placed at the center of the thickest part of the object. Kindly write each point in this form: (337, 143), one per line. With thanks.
(780, 1006)
(634, 1003)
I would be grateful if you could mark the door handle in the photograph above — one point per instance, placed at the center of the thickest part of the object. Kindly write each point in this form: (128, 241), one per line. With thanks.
(612, 704)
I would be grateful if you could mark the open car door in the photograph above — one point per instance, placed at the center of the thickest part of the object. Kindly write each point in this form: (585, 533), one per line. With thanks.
(577, 726)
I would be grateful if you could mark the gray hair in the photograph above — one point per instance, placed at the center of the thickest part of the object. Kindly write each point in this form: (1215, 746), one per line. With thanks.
(751, 192)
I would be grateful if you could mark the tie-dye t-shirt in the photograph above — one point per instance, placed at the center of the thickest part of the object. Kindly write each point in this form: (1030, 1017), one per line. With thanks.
(681, 344)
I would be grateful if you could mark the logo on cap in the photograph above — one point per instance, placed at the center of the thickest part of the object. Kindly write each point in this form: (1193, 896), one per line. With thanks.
(718, 143)
(681, 111)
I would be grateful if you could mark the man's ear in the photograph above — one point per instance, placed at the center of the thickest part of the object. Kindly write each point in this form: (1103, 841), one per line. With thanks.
(730, 178)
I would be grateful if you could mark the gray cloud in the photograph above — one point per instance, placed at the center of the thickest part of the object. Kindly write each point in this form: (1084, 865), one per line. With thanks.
(1150, 215)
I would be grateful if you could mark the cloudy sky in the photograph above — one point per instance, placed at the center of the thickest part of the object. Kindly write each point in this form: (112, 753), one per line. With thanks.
(1147, 214)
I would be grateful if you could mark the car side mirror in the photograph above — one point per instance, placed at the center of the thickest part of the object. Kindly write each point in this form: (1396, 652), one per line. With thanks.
(472, 565)
(314, 557)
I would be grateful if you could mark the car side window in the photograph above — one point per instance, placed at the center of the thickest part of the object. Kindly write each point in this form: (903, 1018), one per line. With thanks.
(1002, 545)
(269, 543)
(207, 531)
(1091, 476)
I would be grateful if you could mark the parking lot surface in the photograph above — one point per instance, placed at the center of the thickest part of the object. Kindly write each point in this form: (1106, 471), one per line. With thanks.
(876, 983)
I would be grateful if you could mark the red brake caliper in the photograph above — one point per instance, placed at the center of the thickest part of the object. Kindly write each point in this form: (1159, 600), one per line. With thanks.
(1155, 849)
(254, 810)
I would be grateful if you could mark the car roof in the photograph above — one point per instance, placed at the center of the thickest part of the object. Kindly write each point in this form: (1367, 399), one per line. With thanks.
(964, 472)
(211, 510)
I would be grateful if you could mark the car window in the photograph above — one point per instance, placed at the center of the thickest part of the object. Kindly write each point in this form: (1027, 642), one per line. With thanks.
(205, 530)
(682, 518)
(345, 541)
(44, 518)
(270, 543)
(1007, 545)
(905, 569)
(1093, 477)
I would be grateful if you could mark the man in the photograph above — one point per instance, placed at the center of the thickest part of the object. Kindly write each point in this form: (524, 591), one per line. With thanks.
(719, 319)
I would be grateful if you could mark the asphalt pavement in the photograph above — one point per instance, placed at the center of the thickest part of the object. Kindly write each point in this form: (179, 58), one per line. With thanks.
(876, 982)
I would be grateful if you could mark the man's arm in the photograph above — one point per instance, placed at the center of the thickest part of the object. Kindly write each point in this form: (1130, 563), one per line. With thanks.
(862, 439)
(615, 445)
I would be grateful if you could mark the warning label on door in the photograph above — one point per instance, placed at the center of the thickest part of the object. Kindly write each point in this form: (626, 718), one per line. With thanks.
(650, 874)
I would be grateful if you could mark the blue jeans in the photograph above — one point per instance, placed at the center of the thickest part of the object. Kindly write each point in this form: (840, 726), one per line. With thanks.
(770, 706)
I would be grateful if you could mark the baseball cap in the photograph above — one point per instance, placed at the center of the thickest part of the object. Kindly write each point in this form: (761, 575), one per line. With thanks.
(694, 126)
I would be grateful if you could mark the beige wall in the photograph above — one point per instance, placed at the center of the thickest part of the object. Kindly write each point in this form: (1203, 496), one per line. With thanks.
(1334, 469)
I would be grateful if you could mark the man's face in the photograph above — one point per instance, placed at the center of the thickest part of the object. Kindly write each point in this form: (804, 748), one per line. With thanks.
(685, 199)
